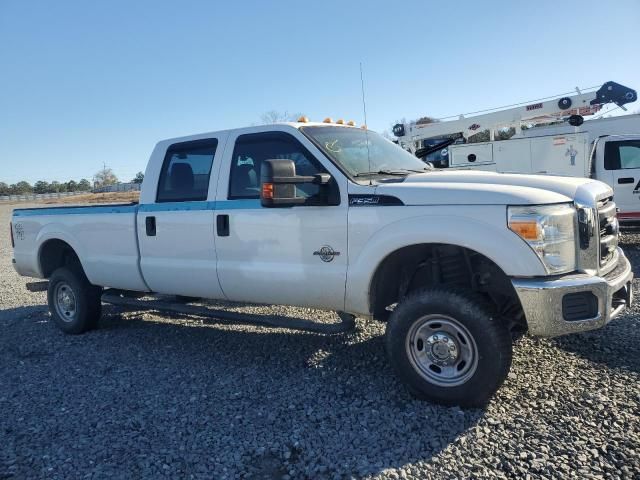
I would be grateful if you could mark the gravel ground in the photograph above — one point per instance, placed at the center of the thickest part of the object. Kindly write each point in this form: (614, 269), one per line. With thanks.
(148, 396)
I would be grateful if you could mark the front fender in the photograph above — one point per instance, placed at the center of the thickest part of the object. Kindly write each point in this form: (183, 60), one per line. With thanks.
(493, 240)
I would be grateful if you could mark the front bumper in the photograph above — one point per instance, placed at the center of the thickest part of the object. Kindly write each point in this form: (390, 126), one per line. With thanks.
(542, 299)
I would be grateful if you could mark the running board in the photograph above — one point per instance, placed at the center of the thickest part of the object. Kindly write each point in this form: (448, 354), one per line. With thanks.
(38, 286)
(347, 321)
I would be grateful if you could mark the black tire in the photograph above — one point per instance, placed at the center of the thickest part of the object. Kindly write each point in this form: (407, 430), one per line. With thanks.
(83, 312)
(184, 299)
(474, 320)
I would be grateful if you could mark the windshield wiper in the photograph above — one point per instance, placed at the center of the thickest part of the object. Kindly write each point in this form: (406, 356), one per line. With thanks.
(384, 172)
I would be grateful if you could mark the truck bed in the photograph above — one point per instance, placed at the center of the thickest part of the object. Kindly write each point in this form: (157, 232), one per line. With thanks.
(104, 237)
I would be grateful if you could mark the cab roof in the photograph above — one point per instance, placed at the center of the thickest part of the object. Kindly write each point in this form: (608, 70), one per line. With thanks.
(253, 129)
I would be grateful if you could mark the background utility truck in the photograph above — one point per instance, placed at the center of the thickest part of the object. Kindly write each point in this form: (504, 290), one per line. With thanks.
(607, 149)
(335, 217)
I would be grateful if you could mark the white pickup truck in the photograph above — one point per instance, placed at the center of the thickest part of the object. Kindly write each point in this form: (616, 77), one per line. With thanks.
(335, 217)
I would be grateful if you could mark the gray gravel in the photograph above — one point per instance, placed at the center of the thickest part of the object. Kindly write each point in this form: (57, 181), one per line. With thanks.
(147, 396)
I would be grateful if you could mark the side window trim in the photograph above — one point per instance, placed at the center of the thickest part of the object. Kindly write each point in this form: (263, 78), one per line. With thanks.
(185, 147)
(611, 156)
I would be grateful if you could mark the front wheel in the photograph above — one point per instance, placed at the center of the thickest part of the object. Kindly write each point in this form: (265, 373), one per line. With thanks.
(449, 347)
(74, 303)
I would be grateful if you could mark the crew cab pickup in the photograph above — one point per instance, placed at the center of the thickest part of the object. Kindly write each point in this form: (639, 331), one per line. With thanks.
(333, 216)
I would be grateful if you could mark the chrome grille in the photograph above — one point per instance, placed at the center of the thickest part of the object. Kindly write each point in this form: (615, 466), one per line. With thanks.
(608, 230)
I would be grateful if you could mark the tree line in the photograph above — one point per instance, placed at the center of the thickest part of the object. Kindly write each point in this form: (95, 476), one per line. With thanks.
(24, 188)
(102, 178)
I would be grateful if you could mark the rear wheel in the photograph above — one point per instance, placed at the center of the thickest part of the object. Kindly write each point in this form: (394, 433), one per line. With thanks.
(449, 347)
(184, 299)
(74, 303)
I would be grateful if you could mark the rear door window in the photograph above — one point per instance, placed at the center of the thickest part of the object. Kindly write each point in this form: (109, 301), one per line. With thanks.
(186, 171)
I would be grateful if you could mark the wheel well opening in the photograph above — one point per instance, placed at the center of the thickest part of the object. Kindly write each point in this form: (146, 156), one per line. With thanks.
(55, 254)
(434, 264)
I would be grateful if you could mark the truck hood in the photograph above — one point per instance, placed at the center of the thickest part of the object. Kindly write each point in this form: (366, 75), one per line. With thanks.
(466, 187)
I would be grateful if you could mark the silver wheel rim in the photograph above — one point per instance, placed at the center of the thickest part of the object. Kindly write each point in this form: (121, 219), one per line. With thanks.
(442, 350)
(65, 302)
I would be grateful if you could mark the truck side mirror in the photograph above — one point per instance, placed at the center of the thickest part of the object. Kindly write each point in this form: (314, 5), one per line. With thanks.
(278, 182)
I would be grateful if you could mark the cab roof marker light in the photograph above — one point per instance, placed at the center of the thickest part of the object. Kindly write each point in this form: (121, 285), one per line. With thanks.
(303, 119)
(328, 120)
(351, 123)
(340, 121)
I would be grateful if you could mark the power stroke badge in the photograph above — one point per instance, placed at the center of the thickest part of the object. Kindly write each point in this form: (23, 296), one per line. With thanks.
(326, 253)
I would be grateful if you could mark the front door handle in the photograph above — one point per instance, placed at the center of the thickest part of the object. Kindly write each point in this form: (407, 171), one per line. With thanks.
(150, 224)
(626, 180)
(222, 225)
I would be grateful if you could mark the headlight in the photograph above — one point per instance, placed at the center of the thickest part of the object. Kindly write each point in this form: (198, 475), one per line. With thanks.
(550, 232)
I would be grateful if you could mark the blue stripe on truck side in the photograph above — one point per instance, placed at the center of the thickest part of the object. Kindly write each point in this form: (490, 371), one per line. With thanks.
(176, 206)
(244, 204)
(28, 212)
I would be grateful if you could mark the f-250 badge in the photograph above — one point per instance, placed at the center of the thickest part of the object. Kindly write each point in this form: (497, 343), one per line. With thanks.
(326, 253)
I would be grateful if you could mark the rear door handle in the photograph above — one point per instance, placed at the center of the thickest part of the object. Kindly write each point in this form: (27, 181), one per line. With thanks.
(150, 224)
(222, 225)
(626, 180)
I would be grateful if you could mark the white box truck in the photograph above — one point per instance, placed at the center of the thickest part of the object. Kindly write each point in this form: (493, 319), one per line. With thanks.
(607, 150)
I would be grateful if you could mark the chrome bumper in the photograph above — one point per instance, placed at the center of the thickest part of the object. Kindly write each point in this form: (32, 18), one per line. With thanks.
(542, 300)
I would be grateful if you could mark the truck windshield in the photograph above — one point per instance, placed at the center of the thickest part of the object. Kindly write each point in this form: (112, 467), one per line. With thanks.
(348, 147)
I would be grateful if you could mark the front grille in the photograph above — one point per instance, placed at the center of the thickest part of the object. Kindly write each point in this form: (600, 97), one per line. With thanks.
(608, 227)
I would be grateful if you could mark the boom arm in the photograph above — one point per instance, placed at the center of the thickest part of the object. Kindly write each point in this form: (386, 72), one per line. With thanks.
(538, 112)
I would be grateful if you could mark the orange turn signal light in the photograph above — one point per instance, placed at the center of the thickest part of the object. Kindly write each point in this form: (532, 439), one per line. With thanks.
(526, 229)
(267, 191)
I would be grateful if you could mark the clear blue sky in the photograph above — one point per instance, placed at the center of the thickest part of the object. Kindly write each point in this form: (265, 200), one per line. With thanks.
(87, 82)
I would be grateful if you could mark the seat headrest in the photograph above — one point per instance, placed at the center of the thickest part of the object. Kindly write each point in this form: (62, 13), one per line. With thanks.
(182, 177)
